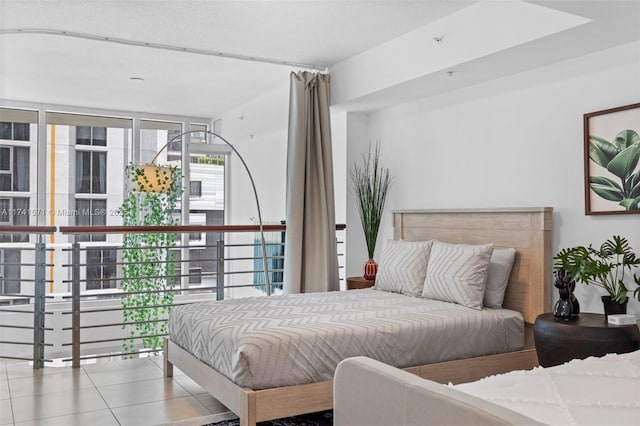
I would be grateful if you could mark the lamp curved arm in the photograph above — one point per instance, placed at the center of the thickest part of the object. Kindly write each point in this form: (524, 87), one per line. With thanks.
(253, 186)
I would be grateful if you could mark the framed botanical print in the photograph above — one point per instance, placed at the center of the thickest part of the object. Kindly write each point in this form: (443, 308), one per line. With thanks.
(612, 161)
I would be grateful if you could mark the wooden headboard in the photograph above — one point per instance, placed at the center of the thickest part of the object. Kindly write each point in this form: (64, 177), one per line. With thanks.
(528, 230)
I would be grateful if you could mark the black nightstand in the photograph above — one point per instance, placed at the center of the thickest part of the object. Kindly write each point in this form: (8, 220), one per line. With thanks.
(558, 341)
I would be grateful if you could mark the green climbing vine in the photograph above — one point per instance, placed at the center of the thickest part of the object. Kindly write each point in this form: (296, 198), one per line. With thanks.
(149, 263)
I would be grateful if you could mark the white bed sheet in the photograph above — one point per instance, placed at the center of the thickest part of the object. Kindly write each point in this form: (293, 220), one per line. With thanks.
(295, 339)
(594, 391)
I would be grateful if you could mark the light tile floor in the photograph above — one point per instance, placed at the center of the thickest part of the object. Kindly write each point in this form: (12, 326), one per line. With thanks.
(128, 392)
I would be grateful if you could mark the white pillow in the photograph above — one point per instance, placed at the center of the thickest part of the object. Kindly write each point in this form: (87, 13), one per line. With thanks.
(403, 267)
(458, 273)
(498, 277)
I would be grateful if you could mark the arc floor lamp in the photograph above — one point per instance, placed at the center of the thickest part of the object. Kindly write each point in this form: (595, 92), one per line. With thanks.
(155, 178)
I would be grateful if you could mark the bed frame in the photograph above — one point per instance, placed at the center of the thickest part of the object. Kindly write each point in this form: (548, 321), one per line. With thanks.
(528, 230)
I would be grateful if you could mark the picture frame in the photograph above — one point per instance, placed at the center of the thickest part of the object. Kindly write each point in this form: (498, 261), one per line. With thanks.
(612, 161)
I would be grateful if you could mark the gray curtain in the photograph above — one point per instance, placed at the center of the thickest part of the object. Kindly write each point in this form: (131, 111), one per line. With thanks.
(311, 261)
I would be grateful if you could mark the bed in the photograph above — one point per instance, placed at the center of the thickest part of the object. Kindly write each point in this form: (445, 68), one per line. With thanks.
(593, 391)
(253, 399)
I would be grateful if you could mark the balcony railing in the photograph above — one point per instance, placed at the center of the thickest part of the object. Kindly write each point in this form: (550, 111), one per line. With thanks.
(73, 287)
(28, 307)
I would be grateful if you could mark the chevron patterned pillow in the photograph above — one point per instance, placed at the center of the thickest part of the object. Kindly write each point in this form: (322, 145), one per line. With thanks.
(403, 266)
(458, 273)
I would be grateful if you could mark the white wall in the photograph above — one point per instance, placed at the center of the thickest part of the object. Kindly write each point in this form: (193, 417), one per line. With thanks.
(258, 130)
(358, 142)
(512, 142)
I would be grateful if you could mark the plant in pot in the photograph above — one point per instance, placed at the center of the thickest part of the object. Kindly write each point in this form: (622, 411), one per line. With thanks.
(149, 263)
(604, 267)
(371, 184)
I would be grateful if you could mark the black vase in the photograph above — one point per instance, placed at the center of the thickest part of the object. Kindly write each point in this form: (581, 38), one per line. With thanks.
(563, 309)
(612, 307)
(576, 306)
(567, 306)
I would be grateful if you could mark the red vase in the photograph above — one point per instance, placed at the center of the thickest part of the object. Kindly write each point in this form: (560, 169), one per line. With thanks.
(370, 270)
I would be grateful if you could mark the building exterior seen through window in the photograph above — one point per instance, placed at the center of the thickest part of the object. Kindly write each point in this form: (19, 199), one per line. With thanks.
(84, 163)
(17, 138)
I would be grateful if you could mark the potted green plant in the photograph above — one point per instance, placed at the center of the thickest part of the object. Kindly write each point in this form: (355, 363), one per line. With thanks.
(149, 265)
(371, 184)
(151, 178)
(604, 267)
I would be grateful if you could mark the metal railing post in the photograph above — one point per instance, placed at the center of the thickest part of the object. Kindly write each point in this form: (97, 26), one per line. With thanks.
(75, 305)
(267, 280)
(39, 304)
(220, 269)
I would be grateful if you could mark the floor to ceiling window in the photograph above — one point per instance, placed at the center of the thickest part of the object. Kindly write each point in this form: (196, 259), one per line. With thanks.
(80, 180)
(203, 202)
(206, 200)
(18, 148)
(86, 155)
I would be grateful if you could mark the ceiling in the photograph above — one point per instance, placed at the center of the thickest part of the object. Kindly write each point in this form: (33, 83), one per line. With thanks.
(60, 69)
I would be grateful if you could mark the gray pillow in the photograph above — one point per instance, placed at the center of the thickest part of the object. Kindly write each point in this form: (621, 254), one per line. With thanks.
(457, 273)
(499, 271)
(403, 266)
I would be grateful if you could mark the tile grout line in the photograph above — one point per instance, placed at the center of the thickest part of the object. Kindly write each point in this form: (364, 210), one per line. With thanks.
(193, 395)
(6, 375)
(44, 377)
(101, 396)
(188, 393)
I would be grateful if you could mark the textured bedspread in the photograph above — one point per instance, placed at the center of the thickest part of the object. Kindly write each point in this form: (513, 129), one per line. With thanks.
(594, 391)
(277, 341)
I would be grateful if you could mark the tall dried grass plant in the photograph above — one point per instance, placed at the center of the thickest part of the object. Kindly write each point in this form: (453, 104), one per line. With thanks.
(371, 182)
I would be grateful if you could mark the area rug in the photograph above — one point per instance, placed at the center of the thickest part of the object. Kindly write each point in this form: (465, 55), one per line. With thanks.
(322, 418)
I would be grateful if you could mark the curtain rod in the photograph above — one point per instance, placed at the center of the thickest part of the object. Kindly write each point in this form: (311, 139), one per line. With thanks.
(205, 52)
